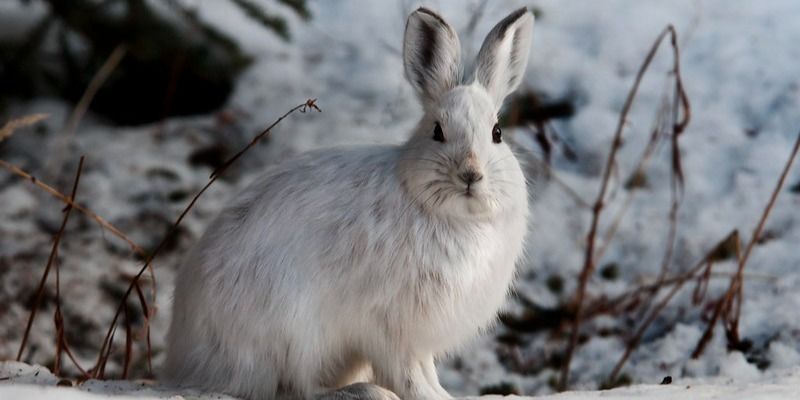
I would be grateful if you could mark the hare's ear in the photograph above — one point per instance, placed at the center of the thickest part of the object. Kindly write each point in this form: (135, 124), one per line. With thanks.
(431, 55)
(504, 55)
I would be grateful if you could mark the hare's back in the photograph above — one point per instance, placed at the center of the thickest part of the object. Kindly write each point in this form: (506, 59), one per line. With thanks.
(301, 213)
(334, 181)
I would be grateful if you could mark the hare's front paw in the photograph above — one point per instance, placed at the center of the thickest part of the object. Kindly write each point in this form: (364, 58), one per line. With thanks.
(411, 380)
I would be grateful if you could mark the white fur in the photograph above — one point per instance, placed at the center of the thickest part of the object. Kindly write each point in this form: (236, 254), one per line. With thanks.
(504, 55)
(344, 265)
(431, 55)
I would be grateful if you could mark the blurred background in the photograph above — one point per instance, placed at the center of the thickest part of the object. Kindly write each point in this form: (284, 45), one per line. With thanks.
(157, 94)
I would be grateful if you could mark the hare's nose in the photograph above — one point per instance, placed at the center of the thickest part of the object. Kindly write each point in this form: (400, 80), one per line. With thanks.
(469, 177)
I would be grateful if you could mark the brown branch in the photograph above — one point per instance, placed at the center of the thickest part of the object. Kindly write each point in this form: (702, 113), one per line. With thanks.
(92, 88)
(54, 251)
(105, 349)
(8, 129)
(729, 305)
(58, 320)
(310, 103)
(718, 310)
(89, 213)
(704, 265)
(657, 285)
(675, 126)
(638, 173)
(739, 282)
(147, 315)
(681, 102)
(637, 337)
(71, 356)
(589, 259)
(126, 363)
(66, 200)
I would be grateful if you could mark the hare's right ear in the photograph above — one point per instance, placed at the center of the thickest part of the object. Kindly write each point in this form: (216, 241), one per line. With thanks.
(431, 55)
(504, 55)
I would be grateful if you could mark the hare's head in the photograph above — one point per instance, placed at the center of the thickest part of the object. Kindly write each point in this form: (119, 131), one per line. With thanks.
(457, 162)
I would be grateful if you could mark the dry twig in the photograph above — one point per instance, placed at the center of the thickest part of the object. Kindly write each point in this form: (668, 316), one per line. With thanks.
(589, 257)
(635, 179)
(146, 310)
(94, 86)
(8, 129)
(68, 202)
(729, 305)
(40, 291)
(701, 272)
(105, 350)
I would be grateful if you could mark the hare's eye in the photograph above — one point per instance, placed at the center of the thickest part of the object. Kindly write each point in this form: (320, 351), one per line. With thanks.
(497, 134)
(438, 135)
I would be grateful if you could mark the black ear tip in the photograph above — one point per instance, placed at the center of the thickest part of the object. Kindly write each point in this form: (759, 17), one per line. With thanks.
(503, 25)
(429, 12)
(518, 13)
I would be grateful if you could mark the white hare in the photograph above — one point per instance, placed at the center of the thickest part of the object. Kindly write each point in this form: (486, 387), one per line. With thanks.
(364, 264)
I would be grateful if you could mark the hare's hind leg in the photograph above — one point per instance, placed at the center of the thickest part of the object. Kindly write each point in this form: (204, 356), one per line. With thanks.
(359, 391)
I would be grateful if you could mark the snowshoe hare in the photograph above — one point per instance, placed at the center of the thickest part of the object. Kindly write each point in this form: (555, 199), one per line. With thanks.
(364, 264)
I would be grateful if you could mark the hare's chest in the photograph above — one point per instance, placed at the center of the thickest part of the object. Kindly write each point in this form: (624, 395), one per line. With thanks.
(481, 278)
(460, 288)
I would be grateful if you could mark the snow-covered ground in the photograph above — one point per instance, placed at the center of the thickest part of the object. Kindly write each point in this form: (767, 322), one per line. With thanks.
(36, 382)
(739, 68)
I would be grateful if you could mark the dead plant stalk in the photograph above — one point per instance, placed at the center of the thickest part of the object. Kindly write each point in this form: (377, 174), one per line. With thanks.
(105, 349)
(11, 126)
(729, 305)
(589, 256)
(700, 272)
(40, 291)
(68, 202)
(85, 101)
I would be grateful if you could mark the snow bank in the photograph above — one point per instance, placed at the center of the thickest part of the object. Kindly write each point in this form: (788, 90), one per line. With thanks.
(23, 381)
(36, 382)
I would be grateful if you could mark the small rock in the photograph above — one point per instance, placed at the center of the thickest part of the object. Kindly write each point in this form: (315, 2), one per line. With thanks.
(502, 388)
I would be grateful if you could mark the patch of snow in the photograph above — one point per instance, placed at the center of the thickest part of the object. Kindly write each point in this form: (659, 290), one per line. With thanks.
(22, 381)
(739, 67)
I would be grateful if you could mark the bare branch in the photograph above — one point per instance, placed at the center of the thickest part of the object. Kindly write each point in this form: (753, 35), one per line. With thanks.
(67, 201)
(50, 260)
(8, 129)
(589, 258)
(105, 349)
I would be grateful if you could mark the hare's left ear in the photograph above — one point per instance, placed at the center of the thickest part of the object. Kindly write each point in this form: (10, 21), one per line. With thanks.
(504, 55)
(431, 55)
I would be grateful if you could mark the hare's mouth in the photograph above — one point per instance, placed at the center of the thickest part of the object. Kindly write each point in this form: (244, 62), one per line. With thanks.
(470, 190)
(472, 193)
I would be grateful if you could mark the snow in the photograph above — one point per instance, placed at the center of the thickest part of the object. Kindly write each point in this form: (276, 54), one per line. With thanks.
(23, 381)
(739, 68)
(36, 382)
